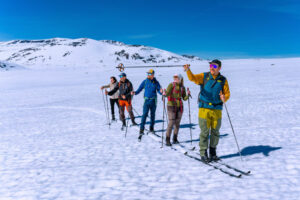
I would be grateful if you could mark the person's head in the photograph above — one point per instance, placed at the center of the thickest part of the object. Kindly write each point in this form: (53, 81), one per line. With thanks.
(150, 74)
(178, 78)
(122, 77)
(215, 67)
(113, 79)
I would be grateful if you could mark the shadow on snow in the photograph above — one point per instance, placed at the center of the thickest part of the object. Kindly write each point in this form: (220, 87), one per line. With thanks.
(251, 150)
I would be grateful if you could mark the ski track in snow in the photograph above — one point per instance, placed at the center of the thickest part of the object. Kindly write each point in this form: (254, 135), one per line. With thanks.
(54, 143)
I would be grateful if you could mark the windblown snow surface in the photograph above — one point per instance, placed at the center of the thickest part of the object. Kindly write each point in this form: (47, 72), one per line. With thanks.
(55, 144)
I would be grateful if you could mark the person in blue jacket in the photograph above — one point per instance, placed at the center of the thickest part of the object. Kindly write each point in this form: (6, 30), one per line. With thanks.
(151, 86)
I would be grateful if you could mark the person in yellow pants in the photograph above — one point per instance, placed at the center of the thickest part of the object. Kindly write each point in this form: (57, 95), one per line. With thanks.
(214, 91)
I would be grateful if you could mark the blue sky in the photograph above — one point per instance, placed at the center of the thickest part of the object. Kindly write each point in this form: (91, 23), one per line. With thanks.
(208, 29)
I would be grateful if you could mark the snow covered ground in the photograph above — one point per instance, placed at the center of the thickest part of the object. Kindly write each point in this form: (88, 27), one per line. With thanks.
(54, 143)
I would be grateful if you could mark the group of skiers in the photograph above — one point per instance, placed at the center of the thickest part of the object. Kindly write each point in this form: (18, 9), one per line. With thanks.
(214, 91)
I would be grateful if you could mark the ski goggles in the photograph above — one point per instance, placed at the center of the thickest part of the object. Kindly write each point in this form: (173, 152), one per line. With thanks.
(149, 74)
(213, 66)
(121, 76)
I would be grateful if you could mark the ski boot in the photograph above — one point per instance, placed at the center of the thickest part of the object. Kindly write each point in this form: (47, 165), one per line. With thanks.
(123, 125)
(133, 123)
(113, 118)
(151, 130)
(213, 155)
(175, 141)
(141, 135)
(205, 158)
(168, 143)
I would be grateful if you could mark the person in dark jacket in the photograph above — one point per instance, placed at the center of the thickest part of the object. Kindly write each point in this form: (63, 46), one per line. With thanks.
(151, 86)
(125, 88)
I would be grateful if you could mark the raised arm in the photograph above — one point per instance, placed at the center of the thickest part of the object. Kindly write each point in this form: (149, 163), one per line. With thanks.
(196, 78)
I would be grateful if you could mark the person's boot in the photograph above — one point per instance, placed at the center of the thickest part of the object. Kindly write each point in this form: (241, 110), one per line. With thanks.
(175, 141)
(168, 143)
(151, 129)
(133, 123)
(123, 124)
(213, 154)
(141, 134)
(113, 117)
(205, 158)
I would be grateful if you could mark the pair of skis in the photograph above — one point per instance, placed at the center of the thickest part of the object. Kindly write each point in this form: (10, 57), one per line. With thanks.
(188, 152)
(218, 165)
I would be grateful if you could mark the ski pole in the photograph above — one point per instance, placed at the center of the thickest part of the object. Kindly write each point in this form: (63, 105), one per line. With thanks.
(163, 124)
(136, 112)
(126, 123)
(107, 111)
(104, 106)
(164, 107)
(166, 115)
(190, 117)
(233, 132)
(128, 114)
(121, 66)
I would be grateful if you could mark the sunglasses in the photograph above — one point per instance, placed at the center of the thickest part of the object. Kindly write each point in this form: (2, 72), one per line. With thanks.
(213, 66)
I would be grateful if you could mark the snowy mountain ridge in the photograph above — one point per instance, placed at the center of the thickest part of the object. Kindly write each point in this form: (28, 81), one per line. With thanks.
(85, 52)
(4, 65)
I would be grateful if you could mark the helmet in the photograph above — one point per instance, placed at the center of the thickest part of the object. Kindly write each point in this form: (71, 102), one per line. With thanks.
(122, 75)
(151, 71)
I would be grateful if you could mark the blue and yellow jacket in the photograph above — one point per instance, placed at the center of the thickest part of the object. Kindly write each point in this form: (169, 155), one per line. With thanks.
(210, 92)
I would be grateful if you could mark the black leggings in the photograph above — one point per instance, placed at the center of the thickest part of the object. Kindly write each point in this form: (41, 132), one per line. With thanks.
(112, 105)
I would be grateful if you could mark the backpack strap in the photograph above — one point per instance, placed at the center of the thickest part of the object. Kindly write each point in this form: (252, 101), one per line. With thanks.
(205, 78)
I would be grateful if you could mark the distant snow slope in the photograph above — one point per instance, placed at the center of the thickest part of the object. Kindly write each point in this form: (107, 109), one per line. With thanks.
(4, 65)
(84, 52)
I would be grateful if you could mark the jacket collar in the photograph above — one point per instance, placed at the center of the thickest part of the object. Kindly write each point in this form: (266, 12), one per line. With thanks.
(214, 77)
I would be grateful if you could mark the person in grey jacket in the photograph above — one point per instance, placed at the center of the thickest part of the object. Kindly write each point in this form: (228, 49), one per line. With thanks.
(113, 98)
